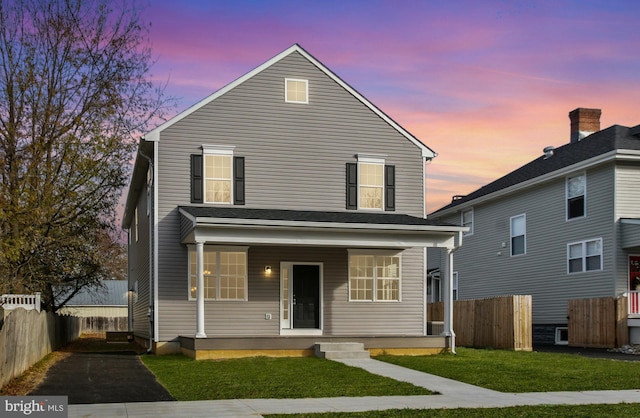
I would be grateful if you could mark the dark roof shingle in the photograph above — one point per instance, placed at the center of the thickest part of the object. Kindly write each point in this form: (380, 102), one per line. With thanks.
(613, 138)
(309, 216)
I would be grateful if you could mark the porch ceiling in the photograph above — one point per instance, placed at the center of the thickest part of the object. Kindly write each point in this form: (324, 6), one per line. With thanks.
(313, 228)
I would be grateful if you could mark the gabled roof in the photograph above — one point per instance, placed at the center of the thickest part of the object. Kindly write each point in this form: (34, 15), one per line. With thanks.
(595, 148)
(154, 135)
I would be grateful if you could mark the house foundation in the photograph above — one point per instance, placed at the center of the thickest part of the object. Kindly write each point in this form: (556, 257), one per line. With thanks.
(237, 347)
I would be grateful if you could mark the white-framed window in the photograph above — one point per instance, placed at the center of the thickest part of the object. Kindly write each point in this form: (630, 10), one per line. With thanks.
(374, 276)
(518, 234)
(466, 219)
(434, 288)
(225, 273)
(218, 174)
(296, 90)
(370, 183)
(584, 256)
(562, 336)
(576, 196)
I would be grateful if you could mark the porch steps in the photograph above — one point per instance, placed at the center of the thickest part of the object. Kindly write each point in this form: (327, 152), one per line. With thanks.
(334, 351)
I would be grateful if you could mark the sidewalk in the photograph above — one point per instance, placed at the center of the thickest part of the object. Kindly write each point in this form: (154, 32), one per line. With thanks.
(453, 394)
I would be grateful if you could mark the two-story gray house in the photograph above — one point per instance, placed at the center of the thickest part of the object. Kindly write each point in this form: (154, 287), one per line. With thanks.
(564, 226)
(283, 210)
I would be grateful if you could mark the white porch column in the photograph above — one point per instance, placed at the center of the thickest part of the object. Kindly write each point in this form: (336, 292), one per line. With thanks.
(200, 290)
(448, 299)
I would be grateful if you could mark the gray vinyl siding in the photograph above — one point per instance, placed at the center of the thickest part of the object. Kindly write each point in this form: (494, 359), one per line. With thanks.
(627, 206)
(340, 317)
(139, 268)
(486, 268)
(295, 156)
(627, 190)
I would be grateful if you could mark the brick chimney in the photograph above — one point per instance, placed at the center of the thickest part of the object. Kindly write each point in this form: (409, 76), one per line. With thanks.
(584, 122)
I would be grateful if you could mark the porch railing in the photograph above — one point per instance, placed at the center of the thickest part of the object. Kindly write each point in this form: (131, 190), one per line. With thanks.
(28, 302)
(634, 302)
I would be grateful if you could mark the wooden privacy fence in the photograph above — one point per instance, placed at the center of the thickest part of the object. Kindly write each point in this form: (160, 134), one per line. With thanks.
(502, 322)
(28, 336)
(598, 322)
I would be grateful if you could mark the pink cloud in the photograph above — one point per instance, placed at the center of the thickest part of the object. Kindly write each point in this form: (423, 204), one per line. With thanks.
(485, 84)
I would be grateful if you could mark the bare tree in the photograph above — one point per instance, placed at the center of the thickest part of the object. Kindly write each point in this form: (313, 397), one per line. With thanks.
(74, 90)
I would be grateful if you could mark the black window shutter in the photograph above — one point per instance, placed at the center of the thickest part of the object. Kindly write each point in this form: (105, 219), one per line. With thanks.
(390, 187)
(238, 180)
(197, 186)
(352, 186)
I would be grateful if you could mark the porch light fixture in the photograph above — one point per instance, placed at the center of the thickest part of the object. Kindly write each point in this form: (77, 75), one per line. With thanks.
(267, 269)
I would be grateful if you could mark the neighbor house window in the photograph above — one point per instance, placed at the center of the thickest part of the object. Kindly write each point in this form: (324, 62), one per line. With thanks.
(467, 220)
(576, 191)
(225, 273)
(374, 277)
(584, 256)
(296, 91)
(518, 235)
(434, 286)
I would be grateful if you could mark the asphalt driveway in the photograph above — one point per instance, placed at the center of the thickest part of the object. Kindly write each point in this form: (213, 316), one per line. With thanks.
(102, 377)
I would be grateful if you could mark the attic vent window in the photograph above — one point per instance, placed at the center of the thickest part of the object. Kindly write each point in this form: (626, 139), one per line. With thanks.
(296, 90)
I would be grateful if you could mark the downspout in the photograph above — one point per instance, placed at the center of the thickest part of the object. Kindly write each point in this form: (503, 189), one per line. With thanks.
(151, 312)
(448, 311)
(129, 286)
(424, 250)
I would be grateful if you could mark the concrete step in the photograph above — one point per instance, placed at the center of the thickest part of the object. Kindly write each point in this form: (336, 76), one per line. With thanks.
(340, 350)
(346, 346)
(334, 355)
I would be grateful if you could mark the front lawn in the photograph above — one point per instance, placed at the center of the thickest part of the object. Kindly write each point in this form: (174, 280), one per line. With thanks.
(543, 411)
(262, 377)
(518, 371)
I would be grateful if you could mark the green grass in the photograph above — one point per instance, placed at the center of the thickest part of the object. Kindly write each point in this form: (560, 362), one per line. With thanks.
(262, 377)
(544, 411)
(509, 371)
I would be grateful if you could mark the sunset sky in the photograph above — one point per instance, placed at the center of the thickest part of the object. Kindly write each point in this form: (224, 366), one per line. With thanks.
(485, 84)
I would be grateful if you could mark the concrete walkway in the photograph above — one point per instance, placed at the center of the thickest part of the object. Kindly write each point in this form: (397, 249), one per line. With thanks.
(452, 394)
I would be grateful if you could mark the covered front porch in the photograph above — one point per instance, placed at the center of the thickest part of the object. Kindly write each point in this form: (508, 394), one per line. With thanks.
(325, 250)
